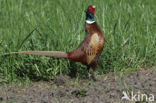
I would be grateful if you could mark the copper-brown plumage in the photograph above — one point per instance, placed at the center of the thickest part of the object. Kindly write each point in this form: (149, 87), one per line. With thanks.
(88, 51)
(91, 46)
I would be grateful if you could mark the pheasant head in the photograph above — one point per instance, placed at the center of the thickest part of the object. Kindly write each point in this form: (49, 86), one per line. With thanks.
(90, 13)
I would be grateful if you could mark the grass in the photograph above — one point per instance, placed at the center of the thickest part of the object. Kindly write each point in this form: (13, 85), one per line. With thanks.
(58, 25)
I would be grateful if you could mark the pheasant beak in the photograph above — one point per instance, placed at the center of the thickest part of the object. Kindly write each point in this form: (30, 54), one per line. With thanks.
(94, 6)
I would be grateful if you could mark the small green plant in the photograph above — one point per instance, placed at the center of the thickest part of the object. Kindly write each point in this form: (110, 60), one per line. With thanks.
(80, 93)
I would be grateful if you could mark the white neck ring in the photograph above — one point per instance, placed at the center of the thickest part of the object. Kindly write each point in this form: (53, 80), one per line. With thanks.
(89, 22)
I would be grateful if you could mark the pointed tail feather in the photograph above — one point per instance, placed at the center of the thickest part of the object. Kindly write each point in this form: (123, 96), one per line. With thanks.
(56, 54)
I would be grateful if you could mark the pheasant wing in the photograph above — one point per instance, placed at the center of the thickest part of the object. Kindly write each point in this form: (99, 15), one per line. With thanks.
(92, 48)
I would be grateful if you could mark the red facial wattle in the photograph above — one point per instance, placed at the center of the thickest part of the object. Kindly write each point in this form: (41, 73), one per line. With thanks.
(91, 9)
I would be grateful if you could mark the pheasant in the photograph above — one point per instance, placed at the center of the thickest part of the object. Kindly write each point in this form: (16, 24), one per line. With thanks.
(87, 52)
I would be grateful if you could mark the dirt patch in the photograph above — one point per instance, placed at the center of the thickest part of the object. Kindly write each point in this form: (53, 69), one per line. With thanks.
(108, 89)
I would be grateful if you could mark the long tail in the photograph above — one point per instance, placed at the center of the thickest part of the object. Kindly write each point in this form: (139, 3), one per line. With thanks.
(56, 54)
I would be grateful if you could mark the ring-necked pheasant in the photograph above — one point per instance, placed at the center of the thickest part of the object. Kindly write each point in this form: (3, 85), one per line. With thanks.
(88, 51)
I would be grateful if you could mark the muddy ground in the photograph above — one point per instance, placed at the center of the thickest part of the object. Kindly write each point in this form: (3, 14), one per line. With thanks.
(108, 89)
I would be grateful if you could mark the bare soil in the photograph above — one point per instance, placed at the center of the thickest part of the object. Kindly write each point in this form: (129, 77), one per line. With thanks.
(108, 89)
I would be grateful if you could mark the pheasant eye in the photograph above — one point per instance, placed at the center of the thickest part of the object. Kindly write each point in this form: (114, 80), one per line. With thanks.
(91, 9)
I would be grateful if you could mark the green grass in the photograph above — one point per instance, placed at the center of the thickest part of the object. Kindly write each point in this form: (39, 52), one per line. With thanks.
(129, 27)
